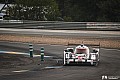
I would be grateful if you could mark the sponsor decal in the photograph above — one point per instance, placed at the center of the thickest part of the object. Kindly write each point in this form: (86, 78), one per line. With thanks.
(104, 77)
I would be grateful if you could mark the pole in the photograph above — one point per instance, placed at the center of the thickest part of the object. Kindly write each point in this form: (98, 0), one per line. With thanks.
(31, 50)
(42, 53)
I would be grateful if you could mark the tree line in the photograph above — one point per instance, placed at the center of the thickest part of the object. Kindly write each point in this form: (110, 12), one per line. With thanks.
(67, 10)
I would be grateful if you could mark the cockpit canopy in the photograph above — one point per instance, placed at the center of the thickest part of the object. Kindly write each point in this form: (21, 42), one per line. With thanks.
(80, 51)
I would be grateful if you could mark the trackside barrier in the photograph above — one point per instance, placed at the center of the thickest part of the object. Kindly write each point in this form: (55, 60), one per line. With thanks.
(42, 53)
(31, 50)
(60, 25)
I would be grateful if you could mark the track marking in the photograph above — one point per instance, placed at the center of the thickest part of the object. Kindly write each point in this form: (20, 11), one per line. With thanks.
(53, 67)
(20, 53)
(111, 49)
(11, 52)
(20, 71)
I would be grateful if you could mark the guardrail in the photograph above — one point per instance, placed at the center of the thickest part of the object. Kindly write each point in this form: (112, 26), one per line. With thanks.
(59, 25)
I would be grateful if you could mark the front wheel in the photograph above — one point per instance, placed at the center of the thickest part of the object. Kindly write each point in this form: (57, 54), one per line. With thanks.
(64, 62)
(95, 63)
(64, 59)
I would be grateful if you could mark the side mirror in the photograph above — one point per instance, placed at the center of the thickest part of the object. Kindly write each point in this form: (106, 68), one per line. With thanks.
(66, 50)
(71, 50)
(95, 51)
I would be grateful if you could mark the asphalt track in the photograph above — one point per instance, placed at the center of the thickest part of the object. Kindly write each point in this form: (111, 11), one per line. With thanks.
(109, 58)
(109, 65)
(78, 33)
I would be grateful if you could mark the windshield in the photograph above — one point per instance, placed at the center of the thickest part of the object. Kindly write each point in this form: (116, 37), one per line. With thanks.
(81, 51)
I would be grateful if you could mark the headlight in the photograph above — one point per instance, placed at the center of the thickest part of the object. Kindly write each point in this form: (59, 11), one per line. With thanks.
(93, 57)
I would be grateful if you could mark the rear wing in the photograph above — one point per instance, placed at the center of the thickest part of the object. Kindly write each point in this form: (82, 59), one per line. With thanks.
(90, 45)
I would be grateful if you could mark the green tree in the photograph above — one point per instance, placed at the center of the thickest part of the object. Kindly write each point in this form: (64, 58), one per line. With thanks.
(109, 10)
(36, 9)
(90, 10)
(81, 10)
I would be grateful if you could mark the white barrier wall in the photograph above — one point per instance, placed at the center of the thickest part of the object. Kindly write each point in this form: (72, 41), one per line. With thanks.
(59, 25)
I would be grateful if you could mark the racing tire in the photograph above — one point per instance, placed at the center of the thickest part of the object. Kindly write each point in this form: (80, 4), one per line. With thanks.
(95, 63)
(64, 60)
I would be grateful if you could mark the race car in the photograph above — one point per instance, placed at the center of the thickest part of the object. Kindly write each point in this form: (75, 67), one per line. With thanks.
(80, 55)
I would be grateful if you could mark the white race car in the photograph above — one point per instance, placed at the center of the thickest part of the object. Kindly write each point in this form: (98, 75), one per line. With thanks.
(81, 54)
